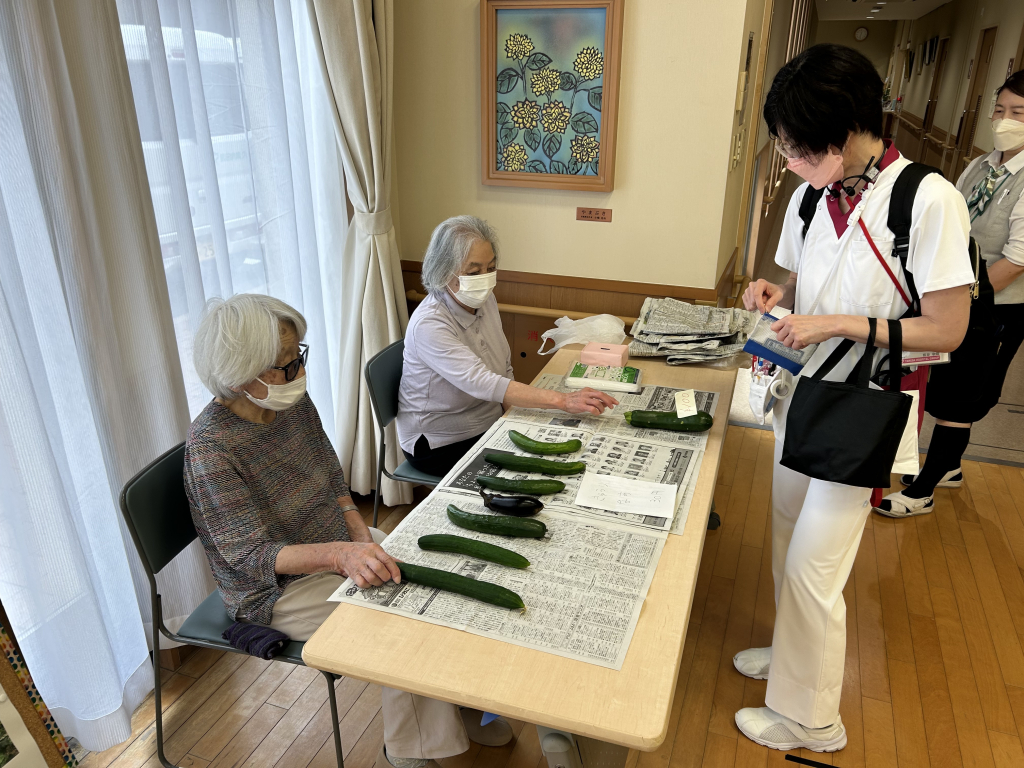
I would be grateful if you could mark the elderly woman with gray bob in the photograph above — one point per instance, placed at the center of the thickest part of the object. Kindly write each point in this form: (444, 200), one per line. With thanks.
(457, 377)
(275, 515)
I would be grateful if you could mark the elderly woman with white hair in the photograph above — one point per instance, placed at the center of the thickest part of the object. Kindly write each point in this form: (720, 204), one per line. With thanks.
(457, 376)
(274, 513)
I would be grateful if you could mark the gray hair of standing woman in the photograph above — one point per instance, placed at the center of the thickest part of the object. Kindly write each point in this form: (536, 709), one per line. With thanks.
(239, 338)
(448, 248)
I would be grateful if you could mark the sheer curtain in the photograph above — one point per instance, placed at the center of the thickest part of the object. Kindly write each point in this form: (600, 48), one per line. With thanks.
(90, 384)
(243, 167)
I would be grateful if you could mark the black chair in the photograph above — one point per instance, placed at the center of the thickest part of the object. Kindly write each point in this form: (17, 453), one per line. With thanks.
(156, 510)
(383, 375)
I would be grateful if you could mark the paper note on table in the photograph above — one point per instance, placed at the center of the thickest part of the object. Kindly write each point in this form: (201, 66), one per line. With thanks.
(686, 403)
(619, 494)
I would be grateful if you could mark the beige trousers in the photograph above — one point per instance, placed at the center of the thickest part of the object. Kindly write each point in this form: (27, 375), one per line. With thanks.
(414, 726)
(816, 532)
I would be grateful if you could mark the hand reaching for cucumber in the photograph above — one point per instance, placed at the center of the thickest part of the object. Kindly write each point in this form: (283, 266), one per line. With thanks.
(588, 400)
(366, 564)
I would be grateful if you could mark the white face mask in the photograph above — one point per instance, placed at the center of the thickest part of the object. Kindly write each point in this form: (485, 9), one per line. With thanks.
(281, 397)
(1007, 134)
(474, 289)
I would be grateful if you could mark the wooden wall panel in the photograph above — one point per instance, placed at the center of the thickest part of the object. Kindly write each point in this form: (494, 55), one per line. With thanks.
(586, 300)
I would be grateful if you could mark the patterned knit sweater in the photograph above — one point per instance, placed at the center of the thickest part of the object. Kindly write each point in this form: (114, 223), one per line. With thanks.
(256, 488)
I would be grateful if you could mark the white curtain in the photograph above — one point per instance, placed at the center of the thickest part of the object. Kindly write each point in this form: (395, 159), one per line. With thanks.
(243, 167)
(355, 41)
(90, 384)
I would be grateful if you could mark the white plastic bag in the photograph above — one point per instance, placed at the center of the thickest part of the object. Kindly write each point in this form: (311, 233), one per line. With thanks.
(607, 329)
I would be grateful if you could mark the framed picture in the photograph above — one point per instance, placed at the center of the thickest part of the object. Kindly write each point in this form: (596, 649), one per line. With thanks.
(550, 92)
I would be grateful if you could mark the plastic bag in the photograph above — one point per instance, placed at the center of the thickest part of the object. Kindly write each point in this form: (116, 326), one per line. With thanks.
(768, 382)
(604, 328)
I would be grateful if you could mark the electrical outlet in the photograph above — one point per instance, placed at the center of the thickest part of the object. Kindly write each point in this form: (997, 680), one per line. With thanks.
(594, 214)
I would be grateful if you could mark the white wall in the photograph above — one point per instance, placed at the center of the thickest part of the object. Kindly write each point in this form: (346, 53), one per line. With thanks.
(877, 46)
(679, 67)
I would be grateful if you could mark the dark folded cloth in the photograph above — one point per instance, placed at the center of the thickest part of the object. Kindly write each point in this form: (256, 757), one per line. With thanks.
(256, 639)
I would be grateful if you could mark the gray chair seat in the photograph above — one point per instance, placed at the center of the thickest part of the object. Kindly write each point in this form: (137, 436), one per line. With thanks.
(209, 620)
(409, 474)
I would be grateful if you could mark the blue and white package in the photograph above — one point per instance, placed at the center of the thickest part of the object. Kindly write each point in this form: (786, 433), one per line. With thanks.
(763, 342)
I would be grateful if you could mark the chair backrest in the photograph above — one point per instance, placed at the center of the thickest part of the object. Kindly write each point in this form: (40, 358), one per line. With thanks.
(383, 377)
(156, 510)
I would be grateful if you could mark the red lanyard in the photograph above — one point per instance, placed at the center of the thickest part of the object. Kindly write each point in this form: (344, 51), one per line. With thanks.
(881, 260)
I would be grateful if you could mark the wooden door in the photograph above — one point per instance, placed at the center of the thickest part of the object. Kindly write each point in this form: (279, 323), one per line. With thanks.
(933, 95)
(974, 107)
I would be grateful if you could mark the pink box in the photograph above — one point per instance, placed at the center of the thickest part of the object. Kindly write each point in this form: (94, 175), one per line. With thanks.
(596, 353)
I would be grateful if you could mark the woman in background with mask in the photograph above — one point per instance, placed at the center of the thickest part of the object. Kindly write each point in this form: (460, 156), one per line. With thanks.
(964, 390)
(457, 377)
(825, 110)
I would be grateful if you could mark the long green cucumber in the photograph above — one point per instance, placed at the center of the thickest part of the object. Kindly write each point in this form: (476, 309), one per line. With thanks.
(500, 525)
(530, 464)
(531, 487)
(452, 582)
(530, 445)
(460, 545)
(667, 420)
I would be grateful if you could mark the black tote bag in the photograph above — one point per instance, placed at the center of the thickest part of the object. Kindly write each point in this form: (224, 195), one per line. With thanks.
(845, 432)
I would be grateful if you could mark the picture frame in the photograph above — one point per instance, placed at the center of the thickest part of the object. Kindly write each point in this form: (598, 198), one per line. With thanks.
(550, 52)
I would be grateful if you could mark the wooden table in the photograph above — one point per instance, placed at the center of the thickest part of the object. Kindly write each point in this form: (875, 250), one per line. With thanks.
(629, 707)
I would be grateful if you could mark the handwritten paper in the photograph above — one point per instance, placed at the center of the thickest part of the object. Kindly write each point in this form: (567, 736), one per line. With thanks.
(686, 403)
(620, 494)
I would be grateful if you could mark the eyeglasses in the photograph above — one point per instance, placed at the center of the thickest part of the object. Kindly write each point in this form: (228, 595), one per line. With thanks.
(785, 150)
(292, 369)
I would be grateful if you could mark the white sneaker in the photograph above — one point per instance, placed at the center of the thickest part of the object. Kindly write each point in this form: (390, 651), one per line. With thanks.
(753, 662)
(952, 479)
(898, 505)
(770, 729)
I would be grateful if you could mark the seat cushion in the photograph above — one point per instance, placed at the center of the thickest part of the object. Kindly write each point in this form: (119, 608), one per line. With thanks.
(407, 473)
(209, 620)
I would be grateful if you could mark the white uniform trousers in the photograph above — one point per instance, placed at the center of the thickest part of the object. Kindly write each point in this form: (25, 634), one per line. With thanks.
(816, 531)
(414, 726)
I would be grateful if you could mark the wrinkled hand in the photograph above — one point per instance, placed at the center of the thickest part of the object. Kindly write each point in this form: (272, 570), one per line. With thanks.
(366, 564)
(799, 331)
(588, 401)
(762, 295)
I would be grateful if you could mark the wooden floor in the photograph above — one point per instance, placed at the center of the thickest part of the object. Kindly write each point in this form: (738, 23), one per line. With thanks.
(934, 668)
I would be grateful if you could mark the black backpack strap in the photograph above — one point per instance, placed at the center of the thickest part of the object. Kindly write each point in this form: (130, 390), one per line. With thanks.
(901, 210)
(808, 205)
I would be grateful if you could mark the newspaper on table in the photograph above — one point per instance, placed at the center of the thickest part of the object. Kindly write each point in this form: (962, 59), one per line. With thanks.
(610, 446)
(685, 333)
(583, 591)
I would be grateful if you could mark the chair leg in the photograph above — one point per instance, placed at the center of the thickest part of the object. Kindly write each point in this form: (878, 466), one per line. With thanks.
(334, 717)
(380, 474)
(157, 699)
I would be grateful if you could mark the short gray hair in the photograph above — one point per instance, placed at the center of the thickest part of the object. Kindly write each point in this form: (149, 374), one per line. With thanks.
(240, 338)
(449, 246)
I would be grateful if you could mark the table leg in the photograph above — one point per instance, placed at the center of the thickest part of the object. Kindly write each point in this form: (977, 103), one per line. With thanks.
(565, 750)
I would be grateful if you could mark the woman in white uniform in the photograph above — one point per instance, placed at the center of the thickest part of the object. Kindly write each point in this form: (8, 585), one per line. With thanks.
(825, 109)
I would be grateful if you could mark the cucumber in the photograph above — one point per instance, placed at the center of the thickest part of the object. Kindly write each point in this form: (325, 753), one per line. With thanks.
(668, 420)
(532, 487)
(530, 445)
(530, 464)
(520, 506)
(452, 582)
(460, 545)
(500, 525)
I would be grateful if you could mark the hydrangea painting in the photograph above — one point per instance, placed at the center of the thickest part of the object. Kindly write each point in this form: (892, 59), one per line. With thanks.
(548, 85)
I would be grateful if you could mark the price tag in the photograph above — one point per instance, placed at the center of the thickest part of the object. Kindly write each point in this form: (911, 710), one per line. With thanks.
(686, 403)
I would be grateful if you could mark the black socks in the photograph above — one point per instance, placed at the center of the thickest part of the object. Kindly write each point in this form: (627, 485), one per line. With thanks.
(944, 453)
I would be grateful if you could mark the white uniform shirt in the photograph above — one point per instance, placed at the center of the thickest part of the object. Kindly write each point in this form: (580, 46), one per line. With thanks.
(938, 256)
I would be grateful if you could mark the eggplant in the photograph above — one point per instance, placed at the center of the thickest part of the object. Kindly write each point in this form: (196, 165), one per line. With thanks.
(520, 506)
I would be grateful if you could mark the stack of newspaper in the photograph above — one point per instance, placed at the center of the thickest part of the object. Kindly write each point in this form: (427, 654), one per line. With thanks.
(685, 333)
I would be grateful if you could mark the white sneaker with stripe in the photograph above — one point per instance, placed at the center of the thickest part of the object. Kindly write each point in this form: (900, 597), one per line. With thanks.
(770, 729)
